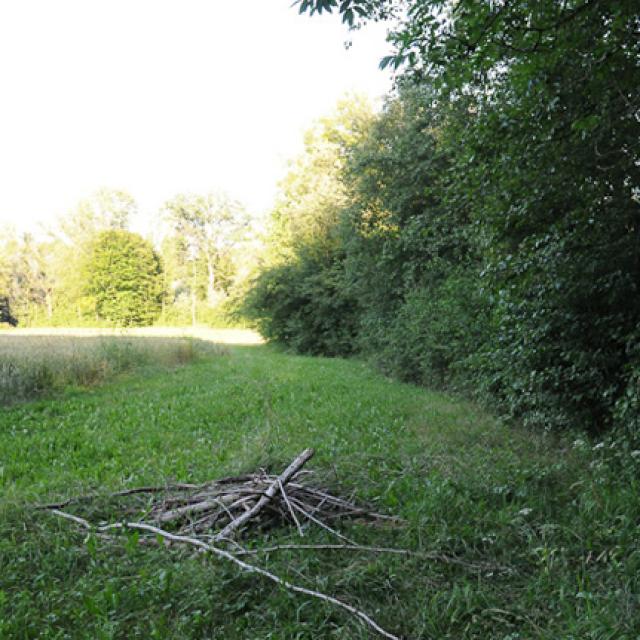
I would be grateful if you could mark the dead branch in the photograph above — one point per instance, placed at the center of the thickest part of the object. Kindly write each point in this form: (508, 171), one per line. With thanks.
(297, 505)
(249, 568)
(291, 511)
(294, 467)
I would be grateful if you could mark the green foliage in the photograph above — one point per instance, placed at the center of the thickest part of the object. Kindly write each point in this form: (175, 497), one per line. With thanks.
(435, 333)
(180, 314)
(104, 210)
(205, 231)
(490, 215)
(206, 253)
(305, 305)
(301, 297)
(123, 276)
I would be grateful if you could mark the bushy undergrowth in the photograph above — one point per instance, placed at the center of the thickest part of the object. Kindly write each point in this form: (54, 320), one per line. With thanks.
(221, 316)
(433, 336)
(31, 366)
(509, 153)
(304, 305)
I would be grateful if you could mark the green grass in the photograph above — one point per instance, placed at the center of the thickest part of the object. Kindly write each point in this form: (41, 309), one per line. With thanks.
(559, 515)
(37, 365)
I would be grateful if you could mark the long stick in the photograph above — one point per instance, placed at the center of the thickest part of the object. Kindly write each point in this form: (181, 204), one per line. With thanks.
(296, 504)
(330, 547)
(249, 568)
(286, 475)
(181, 486)
(291, 511)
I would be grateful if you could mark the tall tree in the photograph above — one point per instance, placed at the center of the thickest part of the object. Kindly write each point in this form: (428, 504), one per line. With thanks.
(312, 194)
(539, 106)
(103, 210)
(123, 275)
(24, 277)
(300, 296)
(66, 253)
(209, 225)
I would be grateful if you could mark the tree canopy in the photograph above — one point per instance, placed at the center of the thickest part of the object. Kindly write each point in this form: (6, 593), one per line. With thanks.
(123, 278)
(488, 236)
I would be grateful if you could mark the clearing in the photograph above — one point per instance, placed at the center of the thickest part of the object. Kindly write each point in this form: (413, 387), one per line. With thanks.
(518, 534)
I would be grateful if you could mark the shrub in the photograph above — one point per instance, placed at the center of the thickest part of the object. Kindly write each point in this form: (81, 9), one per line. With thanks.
(306, 306)
(123, 278)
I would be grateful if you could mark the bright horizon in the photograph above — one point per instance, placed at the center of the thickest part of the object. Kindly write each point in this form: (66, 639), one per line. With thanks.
(159, 97)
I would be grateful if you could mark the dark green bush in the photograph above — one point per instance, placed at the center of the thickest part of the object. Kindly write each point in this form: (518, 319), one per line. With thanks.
(491, 223)
(436, 332)
(305, 306)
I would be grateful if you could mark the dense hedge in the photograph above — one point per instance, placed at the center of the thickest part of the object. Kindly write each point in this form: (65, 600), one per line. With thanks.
(489, 234)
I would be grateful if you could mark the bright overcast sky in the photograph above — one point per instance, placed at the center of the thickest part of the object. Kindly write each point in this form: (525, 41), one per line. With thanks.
(164, 96)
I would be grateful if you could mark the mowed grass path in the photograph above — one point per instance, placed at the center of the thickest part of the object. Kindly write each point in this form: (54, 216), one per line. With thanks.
(553, 520)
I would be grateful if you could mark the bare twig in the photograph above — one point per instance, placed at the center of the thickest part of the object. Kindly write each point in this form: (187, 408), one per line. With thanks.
(291, 511)
(249, 568)
(298, 506)
(295, 466)
(328, 547)
(118, 494)
(197, 507)
(221, 553)
(81, 521)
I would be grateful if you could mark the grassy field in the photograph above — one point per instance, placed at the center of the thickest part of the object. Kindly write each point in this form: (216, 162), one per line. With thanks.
(36, 362)
(544, 529)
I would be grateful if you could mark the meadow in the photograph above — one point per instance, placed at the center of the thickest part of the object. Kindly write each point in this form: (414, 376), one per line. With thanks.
(522, 534)
(36, 362)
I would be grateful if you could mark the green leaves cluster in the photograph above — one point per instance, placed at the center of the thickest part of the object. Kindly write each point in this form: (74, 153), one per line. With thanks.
(123, 276)
(300, 296)
(489, 233)
(55, 281)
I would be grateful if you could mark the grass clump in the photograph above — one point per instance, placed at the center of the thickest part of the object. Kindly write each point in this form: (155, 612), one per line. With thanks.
(33, 365)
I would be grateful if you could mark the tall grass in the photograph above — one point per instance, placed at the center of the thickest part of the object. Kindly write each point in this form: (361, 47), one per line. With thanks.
(33, 365)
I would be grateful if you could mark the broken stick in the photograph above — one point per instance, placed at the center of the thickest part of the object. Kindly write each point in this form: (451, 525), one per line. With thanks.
(273, 488)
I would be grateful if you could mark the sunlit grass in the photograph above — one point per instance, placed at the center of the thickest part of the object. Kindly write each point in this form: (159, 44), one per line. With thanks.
(33, 364)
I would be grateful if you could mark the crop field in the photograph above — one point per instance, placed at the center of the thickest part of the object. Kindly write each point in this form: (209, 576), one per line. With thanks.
(513, 534)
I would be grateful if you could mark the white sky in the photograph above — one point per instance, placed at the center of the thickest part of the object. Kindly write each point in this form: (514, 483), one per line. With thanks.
(159, 97)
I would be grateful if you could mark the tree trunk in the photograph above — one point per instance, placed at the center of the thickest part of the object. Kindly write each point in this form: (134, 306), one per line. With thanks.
(49, 303)
(211, 280)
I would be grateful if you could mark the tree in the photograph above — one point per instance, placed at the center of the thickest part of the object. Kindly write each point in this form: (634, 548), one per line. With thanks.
(123, 276)
(533, 209)
(208, 227)
(24, 276)
(5, 312)
(70, 241)
(103, 210)
(312, 194)
(300, 297)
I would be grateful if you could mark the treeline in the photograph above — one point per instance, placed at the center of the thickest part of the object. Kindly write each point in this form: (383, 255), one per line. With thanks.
(482, 233)
(91, 270)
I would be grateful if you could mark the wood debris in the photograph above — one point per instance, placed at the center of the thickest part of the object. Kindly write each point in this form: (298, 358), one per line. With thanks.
(217, 516)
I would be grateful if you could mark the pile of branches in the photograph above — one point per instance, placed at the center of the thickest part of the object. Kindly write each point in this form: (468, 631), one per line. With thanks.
(216, 516)
(224, 509)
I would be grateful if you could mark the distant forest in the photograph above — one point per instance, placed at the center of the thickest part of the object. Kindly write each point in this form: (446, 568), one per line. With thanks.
(91, 270)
